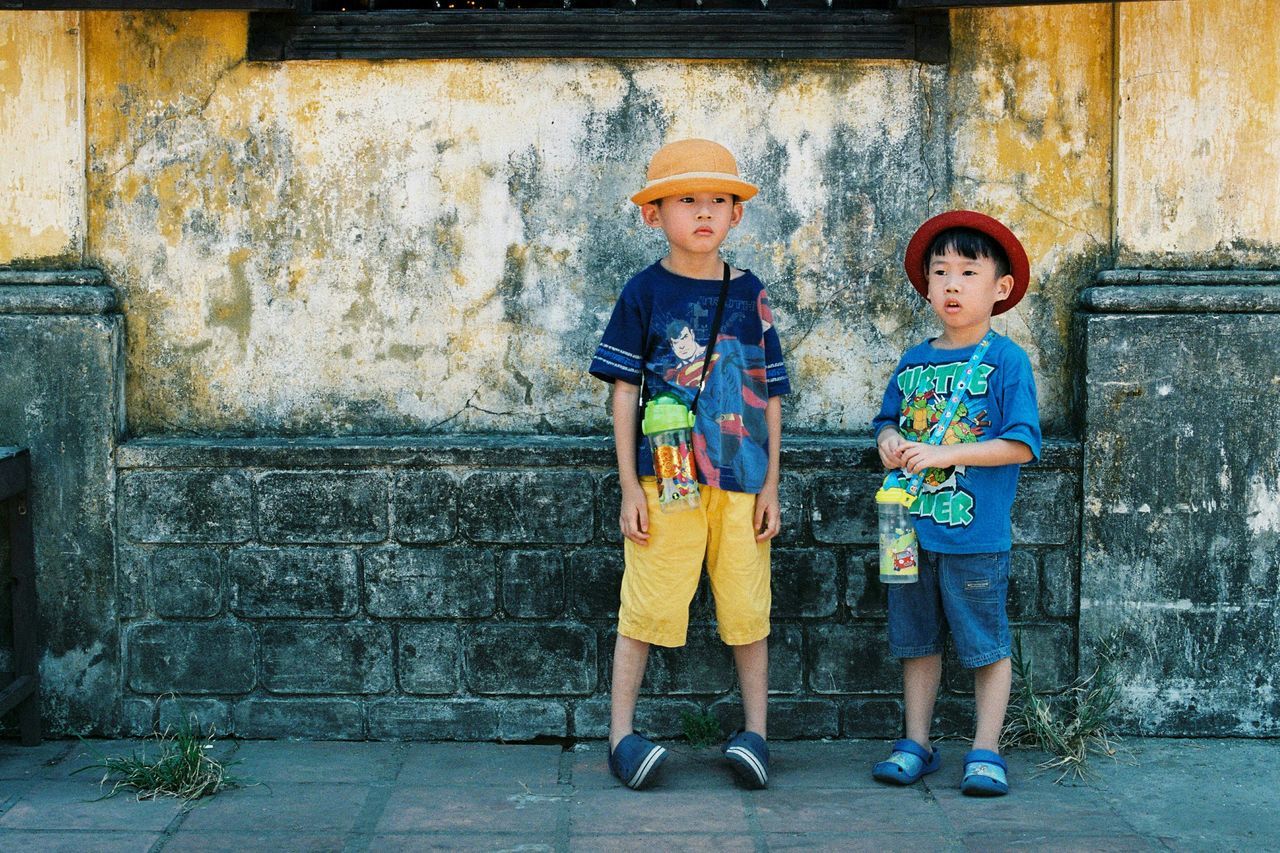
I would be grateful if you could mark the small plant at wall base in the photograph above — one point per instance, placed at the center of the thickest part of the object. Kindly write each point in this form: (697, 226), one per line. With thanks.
(1070, 725)
(700, 729)
(182, 768)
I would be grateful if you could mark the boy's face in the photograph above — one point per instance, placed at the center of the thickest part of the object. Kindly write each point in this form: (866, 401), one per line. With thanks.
(696, 223)
(962, 291)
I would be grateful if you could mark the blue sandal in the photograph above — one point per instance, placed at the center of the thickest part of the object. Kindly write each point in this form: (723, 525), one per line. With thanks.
(635, 759)
(985, 774)
(907, 763)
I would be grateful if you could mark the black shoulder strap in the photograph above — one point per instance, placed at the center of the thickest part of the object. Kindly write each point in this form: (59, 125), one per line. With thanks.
(715, 333)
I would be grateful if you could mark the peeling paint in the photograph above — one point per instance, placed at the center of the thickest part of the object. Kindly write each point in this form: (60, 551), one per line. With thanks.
(1031, 125)
(334, 248)
(1262, 506)
(67, 678)
(42, 193)
(1198, 156)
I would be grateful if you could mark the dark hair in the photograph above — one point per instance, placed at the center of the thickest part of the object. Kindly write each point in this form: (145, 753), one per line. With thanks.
(971, 243)
(676, 328)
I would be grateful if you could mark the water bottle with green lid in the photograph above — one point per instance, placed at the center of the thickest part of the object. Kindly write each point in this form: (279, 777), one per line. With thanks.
(668, 423)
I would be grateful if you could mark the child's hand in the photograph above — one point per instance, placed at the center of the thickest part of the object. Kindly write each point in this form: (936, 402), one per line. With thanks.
(634, 519)
(890, 443)
(768, 514)
(916, 456)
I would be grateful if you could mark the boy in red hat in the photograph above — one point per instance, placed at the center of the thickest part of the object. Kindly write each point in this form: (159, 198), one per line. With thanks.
(969, 267)
(659, 341)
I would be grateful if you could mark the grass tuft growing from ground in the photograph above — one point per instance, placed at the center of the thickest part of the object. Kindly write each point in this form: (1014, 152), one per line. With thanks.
(700, 729)
(1070, 725)
(173, 763)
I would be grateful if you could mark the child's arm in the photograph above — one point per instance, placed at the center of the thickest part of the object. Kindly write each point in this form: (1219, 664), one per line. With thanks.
(917, 456)
(634, 518)
(768, 507)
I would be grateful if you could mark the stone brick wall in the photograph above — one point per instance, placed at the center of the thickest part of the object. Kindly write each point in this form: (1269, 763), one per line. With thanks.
(466, 588)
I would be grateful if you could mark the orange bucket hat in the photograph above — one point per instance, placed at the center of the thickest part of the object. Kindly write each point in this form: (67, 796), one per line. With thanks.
(691, 166)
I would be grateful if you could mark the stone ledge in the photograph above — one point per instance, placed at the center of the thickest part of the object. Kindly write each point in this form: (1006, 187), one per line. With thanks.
(490, 450)
(1182, 299)
(1213, 278)
(60, 278)
(56, 299)
(1155, 291)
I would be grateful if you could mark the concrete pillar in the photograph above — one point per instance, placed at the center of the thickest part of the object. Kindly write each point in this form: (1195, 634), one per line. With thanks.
(61, 387)
(1181, 521)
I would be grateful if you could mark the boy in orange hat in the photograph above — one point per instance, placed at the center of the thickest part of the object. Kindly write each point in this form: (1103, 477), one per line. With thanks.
(657, 342)
(969, 267)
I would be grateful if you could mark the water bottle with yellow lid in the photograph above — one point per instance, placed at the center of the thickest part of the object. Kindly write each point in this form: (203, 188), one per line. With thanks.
(899, 550)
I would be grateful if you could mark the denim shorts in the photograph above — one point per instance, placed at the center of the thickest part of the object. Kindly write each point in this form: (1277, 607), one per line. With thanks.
(963, 592)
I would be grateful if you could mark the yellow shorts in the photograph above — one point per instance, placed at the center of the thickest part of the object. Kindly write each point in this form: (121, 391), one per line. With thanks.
(660, 578)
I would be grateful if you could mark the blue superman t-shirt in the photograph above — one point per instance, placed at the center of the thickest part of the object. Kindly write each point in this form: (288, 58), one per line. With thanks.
(659, 331)
(964, 509)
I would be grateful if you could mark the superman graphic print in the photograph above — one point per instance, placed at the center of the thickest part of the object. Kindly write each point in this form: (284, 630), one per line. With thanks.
(659, 332)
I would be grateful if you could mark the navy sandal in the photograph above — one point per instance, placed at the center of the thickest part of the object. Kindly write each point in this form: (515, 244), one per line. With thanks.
(907, 763)
(635, 759)
(748, 754)
(985, 774)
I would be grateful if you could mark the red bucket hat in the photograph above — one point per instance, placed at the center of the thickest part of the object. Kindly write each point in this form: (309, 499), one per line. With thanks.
(1019, 266)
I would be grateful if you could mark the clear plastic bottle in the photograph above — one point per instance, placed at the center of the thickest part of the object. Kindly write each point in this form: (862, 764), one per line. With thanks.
(899, 550)
(668, 424)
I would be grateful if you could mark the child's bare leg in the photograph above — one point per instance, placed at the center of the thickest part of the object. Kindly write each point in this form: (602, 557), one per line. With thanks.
(629, 659)
(920, 680)
(991, 690)
(753, 678)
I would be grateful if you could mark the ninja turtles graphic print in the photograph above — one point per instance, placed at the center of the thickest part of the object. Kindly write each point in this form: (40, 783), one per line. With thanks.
(964, 509)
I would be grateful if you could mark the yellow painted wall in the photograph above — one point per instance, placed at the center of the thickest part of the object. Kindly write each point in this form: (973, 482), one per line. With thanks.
(42, 192)
(367, 247)
(355, 246)
(1198, 156)
(1031, 134)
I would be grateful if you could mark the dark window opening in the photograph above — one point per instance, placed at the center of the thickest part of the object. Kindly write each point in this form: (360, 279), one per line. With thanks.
(685, 29)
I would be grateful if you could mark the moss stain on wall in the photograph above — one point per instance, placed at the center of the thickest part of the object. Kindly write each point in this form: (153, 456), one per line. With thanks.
(335, 247)
(1031, 126)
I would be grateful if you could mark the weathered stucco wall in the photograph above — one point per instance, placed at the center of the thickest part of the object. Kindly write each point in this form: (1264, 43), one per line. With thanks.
(1030, 123)
(352, 247)
(42, 187)
(1198, 153)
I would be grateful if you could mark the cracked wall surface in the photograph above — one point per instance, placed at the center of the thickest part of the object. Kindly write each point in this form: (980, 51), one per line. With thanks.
(1030, 123)
(42, 193)
(356, 247)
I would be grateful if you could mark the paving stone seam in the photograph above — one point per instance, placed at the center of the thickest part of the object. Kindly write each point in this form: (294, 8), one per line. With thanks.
(564, 812)
(172, 827)
(1114, 805)
(753, 823)
(9, 803)
(926, 793)
(375, 804)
